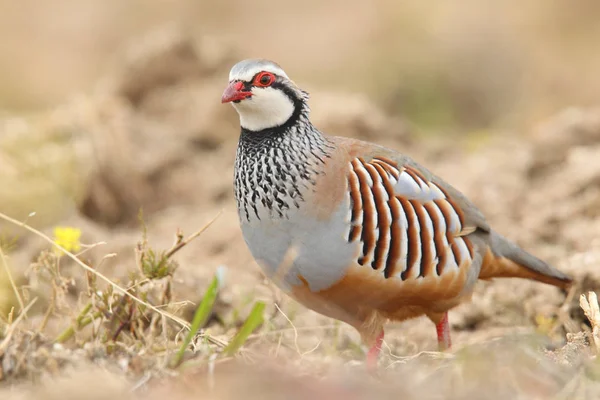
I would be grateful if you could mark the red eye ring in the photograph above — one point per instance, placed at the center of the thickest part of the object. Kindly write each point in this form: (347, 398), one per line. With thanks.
(264, 79)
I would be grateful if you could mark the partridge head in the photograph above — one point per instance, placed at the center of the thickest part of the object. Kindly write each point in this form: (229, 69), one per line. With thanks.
(353, 230)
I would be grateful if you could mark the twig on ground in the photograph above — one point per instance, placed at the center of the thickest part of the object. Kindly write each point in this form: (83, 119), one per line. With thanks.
(283, 330)
(563, 317)
(591, 308)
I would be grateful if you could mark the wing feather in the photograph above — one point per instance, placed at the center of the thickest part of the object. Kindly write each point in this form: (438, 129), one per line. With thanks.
(420, 222)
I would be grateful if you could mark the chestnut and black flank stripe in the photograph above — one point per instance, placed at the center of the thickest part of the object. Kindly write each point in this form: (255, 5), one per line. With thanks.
(404, 235)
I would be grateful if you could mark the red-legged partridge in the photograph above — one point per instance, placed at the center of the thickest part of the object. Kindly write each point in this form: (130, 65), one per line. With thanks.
(352, 230)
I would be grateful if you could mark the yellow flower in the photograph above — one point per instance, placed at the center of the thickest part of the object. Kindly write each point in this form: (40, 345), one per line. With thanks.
(544, 323)
(68, 238)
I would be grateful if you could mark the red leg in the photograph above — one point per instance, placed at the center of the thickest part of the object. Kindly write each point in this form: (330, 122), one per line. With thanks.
(443, 333)
(373, 353)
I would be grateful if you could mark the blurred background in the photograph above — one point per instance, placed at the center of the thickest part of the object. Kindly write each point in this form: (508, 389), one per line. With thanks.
(477, 65)
(109, 107)
(141, 71)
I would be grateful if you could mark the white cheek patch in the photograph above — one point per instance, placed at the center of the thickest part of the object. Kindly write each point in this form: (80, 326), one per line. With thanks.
(267, 108)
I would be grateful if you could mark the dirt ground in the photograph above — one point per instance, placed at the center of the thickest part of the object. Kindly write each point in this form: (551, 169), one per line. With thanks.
(147, 137)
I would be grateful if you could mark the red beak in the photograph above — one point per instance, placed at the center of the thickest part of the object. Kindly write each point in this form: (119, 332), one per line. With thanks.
(234, 92)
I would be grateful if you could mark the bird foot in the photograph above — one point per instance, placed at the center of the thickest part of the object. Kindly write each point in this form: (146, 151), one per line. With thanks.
(443, 333)
(373, 354)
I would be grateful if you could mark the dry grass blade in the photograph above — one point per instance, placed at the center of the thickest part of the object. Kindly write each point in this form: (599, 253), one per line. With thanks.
(254, 320)
(200, 317)
(172, 317)
(591, 308)
(182, 243)
(11, 328)
(301, 353)
(11, 280)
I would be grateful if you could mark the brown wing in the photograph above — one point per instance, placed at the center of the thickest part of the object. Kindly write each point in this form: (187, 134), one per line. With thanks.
(410, 226)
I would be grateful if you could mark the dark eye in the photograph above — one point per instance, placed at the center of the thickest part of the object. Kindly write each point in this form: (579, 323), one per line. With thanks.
(264, 79)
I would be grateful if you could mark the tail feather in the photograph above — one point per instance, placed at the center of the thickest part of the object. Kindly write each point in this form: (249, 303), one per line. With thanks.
(506, 259)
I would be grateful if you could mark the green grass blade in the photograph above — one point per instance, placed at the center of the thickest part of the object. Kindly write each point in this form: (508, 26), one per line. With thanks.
(83, 320)
(254, 320)
(200, 317)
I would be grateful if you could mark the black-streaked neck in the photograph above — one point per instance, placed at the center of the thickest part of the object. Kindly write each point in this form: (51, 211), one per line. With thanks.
(274, 168)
